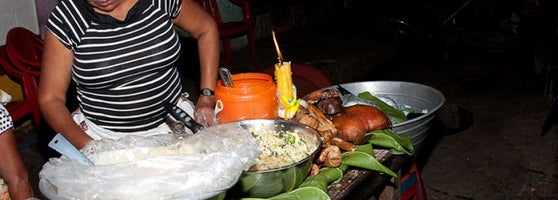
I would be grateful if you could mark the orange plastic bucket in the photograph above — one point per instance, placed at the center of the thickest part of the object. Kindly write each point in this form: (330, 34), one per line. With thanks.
(254, 96)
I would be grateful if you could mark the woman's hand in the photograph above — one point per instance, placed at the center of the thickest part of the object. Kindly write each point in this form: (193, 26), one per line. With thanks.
(204, 111)
(201, 25)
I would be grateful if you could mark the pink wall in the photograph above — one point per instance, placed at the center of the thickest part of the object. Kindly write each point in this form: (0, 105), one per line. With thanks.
(44, 7)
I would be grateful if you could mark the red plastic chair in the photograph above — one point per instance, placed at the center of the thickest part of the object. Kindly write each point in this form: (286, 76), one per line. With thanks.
(29, 105)
(24, 49)
(232, 29)
(411, 185)
(306, 78)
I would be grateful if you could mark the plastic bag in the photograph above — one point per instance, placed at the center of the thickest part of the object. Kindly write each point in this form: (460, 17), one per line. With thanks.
(5, 98)
(197, 166)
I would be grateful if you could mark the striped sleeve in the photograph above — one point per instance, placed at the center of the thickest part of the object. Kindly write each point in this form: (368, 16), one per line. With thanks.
(174, 7)
(67, 23)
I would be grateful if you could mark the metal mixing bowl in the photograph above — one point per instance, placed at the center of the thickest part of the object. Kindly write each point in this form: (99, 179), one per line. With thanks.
(270, 182)
(419, 97)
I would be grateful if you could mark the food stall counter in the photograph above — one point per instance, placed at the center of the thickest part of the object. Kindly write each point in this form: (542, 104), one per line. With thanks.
(364, 184)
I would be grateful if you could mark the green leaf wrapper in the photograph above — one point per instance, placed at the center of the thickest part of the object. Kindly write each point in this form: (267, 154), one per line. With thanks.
(394, 114)
(389, 139)
(365, 161)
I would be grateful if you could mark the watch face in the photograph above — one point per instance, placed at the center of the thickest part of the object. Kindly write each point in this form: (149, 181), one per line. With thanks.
(207, 92)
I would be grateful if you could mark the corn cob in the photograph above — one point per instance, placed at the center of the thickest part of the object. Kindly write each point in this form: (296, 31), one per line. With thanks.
(288, 102)
(286, 91)
(283, 77)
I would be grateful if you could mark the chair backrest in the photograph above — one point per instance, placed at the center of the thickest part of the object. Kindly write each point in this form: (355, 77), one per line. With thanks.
(246, 6)
(29, 106)
(306, 78)
(8, 67)
(212, 8)
(24, 50)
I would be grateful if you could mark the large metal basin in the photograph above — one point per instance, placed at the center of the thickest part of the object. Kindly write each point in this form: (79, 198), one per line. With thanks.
(268, 183)
(420, 98)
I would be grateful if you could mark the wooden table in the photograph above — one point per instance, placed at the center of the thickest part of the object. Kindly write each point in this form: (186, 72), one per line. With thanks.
(366, 184)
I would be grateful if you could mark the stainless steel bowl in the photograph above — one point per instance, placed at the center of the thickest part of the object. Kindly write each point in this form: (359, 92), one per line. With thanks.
(420, 98)
(270, 182)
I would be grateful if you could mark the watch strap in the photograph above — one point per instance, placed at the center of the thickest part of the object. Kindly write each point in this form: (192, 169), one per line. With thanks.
(207, 92)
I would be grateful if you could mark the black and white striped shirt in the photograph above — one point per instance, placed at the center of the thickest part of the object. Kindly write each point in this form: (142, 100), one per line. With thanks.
(123, 70)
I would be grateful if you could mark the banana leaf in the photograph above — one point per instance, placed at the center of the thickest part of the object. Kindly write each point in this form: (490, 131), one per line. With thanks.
(394, 114)
(303, 193)
(366, 161)
(313, 187)
(367, 148)
(389, 139)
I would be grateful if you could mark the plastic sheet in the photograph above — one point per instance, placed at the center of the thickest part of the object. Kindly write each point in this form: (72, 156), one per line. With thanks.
(197, 166)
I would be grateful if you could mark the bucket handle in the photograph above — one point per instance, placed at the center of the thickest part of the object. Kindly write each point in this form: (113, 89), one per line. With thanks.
(219, 106)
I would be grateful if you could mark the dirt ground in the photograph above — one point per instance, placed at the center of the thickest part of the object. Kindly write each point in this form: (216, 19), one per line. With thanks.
(501, 155)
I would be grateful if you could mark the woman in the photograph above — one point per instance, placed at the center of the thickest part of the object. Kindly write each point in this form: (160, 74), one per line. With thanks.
(12, 169)
(121, 55)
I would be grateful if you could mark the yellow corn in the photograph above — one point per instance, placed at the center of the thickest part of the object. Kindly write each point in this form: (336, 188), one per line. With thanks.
(283, 78)
(288, 103)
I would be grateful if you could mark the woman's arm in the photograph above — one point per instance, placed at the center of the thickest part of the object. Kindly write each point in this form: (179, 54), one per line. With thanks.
(12, 169)
(200, 25)
(54, 81)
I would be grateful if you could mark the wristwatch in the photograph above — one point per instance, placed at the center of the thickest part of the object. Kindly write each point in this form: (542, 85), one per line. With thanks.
(207, 92)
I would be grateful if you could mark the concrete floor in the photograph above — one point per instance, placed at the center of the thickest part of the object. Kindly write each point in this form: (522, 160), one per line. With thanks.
(485, 142)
